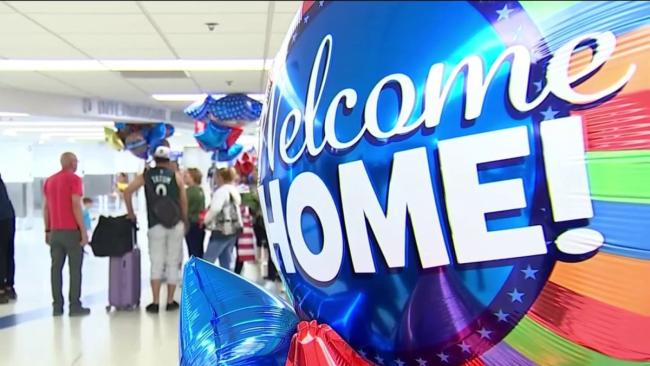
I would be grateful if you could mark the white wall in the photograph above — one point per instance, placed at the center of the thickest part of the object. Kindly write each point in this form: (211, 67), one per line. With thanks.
(21, 162)
(195, 157)
(16, 160)
(94, 158)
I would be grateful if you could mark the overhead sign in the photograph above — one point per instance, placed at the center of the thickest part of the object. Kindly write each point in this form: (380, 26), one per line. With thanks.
(113, 109)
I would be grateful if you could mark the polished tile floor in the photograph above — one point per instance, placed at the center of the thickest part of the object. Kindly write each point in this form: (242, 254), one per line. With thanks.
(29, 335)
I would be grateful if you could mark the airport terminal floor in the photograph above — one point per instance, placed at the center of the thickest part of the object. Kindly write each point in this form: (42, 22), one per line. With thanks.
(116, 338)
(100, 339)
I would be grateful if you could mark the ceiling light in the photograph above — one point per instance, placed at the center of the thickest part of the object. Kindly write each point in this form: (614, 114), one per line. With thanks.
(13, 114)
(74, 133)
(24, 124)
(99, 136)
(51, 65)
(135, 65)
(181, 97)
(186, 65)
(87, 138)
(194, 97)
(55, 129)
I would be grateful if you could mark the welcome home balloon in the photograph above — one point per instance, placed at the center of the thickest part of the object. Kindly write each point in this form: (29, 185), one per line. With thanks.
(423, 167)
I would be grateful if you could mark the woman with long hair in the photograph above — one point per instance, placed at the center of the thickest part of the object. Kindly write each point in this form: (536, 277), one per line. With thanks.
(223, 218)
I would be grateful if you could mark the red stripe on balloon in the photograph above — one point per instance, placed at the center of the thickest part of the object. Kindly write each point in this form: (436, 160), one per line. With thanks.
(306, 5)
(622, 123)
(235, 132)
(474, 362)
(607, 329)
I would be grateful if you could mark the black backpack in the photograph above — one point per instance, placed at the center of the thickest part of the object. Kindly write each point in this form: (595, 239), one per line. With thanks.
(113, 236)
(165, 209)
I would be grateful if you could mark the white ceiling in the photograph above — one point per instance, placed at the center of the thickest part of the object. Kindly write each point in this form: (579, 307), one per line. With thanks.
(140, 30)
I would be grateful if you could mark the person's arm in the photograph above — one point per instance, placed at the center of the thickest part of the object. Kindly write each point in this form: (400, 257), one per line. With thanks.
(128, 195)
(46, 221)
(79, 217)
(182, 199)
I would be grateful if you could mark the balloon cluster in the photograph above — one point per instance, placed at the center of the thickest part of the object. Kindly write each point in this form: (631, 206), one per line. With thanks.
(141, 139)
(473, 190)
(245, 165)
(218, 123)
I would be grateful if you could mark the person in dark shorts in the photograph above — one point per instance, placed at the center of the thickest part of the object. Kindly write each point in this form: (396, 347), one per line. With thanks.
(165, 243)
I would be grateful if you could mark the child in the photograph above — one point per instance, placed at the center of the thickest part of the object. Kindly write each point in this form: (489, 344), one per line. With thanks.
(88, 203)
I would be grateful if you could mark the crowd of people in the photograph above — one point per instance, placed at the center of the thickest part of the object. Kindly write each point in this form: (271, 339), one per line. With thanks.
(176, 212)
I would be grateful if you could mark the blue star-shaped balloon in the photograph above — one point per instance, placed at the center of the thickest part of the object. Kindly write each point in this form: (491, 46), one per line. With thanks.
(227, 320)
(213, 137)
(229, 154)
(232, 107)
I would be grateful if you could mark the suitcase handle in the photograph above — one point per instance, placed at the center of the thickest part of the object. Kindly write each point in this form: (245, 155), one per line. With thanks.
(134, 235)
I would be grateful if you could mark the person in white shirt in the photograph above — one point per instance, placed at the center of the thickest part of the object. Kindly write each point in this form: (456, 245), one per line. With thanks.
(223, 218)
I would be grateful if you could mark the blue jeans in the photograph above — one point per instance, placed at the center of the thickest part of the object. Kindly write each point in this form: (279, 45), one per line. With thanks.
(221, 246)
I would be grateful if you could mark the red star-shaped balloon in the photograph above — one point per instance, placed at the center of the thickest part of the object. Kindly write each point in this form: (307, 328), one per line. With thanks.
(320, 345)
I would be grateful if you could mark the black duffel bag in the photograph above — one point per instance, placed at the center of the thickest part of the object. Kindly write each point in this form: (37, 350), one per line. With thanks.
(113, 236)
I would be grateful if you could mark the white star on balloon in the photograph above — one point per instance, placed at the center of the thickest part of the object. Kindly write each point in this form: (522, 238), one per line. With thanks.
(529, 272)
(443, 357)
(515, 296)
(501, 315)
(549, 113)
(504, 13)
(484, 333)
(465, 347)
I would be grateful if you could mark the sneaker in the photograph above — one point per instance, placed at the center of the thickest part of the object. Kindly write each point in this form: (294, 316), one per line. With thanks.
(172, 306)
(80, 311)
(152, 308)
(11, 292)
(56, 311)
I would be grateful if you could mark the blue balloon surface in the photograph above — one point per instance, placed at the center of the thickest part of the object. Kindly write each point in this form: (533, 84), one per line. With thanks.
(213, 137)
(137, 145)
(232, 107)
(409, 313)
(156, 134)
(169, 130)
(229, 154)
(228, 321)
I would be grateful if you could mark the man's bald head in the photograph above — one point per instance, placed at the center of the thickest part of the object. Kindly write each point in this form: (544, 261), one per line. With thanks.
(69, 161)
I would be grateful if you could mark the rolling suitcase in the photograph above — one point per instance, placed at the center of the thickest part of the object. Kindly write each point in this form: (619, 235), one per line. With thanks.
(124, 280)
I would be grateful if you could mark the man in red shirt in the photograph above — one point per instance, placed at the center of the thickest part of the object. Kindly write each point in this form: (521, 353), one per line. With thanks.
(65, 232)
